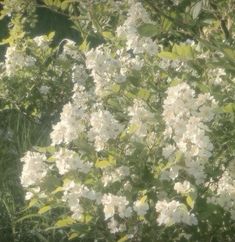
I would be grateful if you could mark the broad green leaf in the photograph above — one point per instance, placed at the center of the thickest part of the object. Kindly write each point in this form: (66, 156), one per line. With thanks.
(58, 189)
(229, 108)
(73, 236)
(196, 9)
(108, 35)
(86, 218)
(65, 222)
(166, 24)
(190, 201)
(123, 239)
(44, 209)
(51, 159)
(168, 55)
(143, 93)
(84, 46)
(105, 163)
(47, 149)
(183, 51)
(148, 30)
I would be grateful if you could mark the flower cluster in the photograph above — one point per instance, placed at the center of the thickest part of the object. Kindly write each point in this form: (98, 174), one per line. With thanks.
(185, 116)
(174, 212)
(34, 168)
(137, 15)
(68, 160)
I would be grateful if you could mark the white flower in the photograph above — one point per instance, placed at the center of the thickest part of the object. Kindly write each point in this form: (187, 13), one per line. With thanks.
(16, 59)
(103, 128)
(173, 213)
(183, 188)
(68, 160)
(168, 150)
(185, 116)
(41, 41)
(44, 89)
(113, 204)
(140, 121)
(72, 195)
(73, 119)
(34, 168)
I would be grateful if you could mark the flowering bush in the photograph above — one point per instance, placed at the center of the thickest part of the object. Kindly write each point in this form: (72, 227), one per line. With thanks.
(144, 150)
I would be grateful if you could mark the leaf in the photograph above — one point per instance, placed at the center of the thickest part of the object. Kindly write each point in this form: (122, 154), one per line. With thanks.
(132, 128)
(143, 199)
(123, 239)
(47, 149)
(116, 88)
(32, 202)
(183, 51)
(196, 9)
(190, 201)
(44, 209)
(58, 189)
(73, 236)
(105, 163)
(86, 218)
(148, 30)
(229, 108)
(166, 24)
(143, 93)
(167, 55)
(107, 35)
(64, 222)
(84, 46)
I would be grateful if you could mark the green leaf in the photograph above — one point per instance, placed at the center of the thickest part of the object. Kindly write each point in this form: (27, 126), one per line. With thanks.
(73, 236)
(229, 108)
(148, 30)
(48, 149)
(115, 88)
(143, 199)
(183, 51)
(132, 128)
(108, 35)
(64, 222)
(58, 189)
(123, 239)
(190, 201)
(84, 46)
(196, 9)
(143, 93)
(230, 53)
(166, 24)
(167, 55)
(105, 163)
(44, 209)
(32, 202)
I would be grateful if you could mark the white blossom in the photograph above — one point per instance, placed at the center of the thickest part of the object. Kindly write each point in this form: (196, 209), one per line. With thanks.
(173, 212)
(103, 128)
(68, 160)
(113, 204)
(34, 168)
